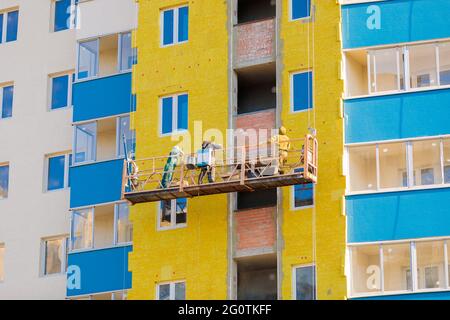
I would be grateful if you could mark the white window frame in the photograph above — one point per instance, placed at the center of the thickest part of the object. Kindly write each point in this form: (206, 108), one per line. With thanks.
(2, 87)
(291, 12)
(119, 141)
(43, 255)
(172, 288)
(294, 279)
(70, 74)
(67, 164)
(97, 61)
(291, 93)
(6, 164)
(173, 217)
(72, 16)
(119, 52)
(115, 229)
(176, 26)
(113, 295)
(175, 129)
(409, 165)
(412, 266)
(294, 208)
(4, 27)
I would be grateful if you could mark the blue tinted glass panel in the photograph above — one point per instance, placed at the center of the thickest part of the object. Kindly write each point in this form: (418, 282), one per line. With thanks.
(445, 77)
(4, 180)
(11, 28)
(56, 167)
(304, 195)
(183, 112)
(302, 95)
(447, 174)
(168, 27)
(1, 28)
(60, 92)
(305, 286)
(62, 15)
(7, 101)
(301, 9)
(167, 111)
(183, 24)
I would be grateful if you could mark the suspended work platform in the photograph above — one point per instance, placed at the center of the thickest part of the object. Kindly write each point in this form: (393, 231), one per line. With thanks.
(242, 169)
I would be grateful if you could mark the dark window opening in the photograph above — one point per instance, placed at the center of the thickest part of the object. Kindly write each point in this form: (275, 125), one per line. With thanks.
(257, 278)
(251, 10)
(257, 88)
(257, 199)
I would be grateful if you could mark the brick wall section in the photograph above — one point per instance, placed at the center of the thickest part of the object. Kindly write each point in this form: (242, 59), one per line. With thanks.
(255, 228)
(257, 120)
(255, 40)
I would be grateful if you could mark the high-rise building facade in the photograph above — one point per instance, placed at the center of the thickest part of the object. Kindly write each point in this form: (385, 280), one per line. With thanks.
(208, 66)
(397, 77)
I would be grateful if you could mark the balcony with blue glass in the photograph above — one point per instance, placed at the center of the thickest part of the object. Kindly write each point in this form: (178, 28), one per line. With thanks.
(396, 21)
(100, 241)
(98, 161)
(103, 79)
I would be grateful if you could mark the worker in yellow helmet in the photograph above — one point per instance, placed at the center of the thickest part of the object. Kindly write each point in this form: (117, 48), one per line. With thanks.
(284, 145)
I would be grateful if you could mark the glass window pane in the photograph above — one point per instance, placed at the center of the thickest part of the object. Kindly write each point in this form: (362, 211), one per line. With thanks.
(183, 24)
(167, 111)
(1, 27)
(164, 292)
(302, 97)
(12, 24)
(85, 140)
(384, 70)
(305, 286)
(444, 63)
(104, 226)
(446, 143)
(423, 68)
(124, 225)
(181, 211)
(430, 264)
(180, 291)
(4, 181)
(62, 15)
(88, 59)
(60, 92)
(7, 102)
(126, 138)
(54, 252)
(397, 267)
(303, 195)
(300, 9)
(166, 213)
(182, 112)
(363, 173)
(56, 172)
(168, 18)
(2, 263)
(126, 59)
(392, 165)
(82, 229)
(366, 269)
(427, 162)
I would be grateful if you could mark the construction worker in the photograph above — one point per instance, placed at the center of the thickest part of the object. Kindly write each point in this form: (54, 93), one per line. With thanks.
(172, 161)
(208, 168)
(284, 145)
(134, 174)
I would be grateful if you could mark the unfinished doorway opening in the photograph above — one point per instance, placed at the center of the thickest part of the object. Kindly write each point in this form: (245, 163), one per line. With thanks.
(252, 10)
(257, 88)
(257, 277)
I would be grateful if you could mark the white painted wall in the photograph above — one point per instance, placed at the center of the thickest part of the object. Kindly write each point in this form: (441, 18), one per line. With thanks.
(29, 213)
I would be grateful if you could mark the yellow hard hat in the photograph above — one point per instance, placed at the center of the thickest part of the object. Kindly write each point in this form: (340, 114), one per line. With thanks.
(282, 130)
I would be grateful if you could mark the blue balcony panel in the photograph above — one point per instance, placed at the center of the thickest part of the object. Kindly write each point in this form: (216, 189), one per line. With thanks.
(102, 97)
(442, 295)
(398, 215)
(397, 116)
(401, 21)
(95, 183)
(102, 270)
